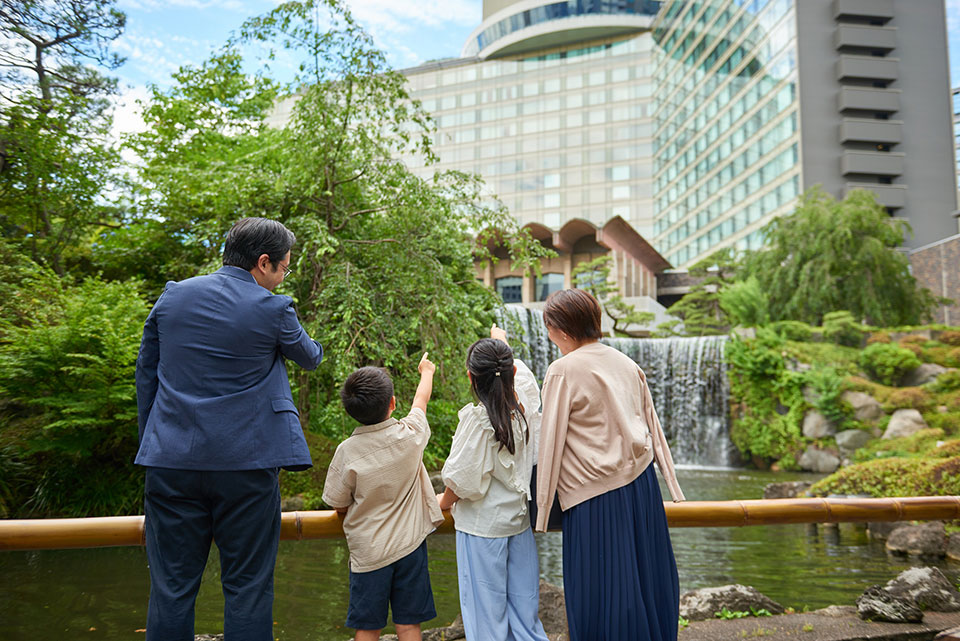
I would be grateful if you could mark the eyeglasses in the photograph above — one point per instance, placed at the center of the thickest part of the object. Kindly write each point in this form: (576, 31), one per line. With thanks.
(286, 270)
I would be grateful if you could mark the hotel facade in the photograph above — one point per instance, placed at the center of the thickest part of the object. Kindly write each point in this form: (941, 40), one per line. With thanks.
(694, 122)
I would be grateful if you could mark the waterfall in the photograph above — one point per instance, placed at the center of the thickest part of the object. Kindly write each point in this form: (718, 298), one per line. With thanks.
(687, 377)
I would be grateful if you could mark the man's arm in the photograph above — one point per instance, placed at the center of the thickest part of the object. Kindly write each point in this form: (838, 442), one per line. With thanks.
(295, 344)
(425, 388)
(146, 373)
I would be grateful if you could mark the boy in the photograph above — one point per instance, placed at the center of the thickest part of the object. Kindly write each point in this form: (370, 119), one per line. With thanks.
(378, 484)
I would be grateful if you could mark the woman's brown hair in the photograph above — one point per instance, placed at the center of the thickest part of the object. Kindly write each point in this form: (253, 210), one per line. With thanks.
(575, 313)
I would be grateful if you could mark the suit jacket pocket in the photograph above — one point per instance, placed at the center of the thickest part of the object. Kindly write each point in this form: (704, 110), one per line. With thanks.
(284, 405)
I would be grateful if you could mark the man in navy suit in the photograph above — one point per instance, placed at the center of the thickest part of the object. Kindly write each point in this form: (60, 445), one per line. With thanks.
(217, 422)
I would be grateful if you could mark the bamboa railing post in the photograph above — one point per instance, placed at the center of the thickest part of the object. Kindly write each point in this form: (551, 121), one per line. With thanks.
(49, 534)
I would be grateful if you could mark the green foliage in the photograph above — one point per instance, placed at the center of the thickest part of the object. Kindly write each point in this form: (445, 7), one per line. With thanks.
(839, 255)
(947, 382)
(769, 397)
(56, 156)
(828, 385)
(683, 623)
(887, 363)
(920, 444)
(594, 277)
(792, 330)
(67, 380)
(700, 308)
(745, 303)
(841, 328)
(725, 614)
(894, 477)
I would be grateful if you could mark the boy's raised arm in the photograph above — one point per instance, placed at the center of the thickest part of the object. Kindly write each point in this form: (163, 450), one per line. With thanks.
(425, 388)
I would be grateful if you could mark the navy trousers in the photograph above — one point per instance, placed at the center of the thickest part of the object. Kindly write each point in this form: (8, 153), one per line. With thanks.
(185, 511)
(619, 572)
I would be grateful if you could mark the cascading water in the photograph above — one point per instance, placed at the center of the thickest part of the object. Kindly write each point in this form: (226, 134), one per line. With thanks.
(687, 377)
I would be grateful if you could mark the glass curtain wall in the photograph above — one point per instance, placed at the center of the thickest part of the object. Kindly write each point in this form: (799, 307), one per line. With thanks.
(558, 135)
(726, 151)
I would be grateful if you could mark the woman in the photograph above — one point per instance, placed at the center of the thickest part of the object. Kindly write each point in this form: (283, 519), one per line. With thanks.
(598, 436)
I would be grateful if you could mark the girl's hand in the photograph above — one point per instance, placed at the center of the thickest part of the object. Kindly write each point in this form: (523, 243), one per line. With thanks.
(498, 333)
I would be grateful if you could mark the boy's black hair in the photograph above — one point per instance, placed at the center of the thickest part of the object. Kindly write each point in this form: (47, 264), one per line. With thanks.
(366, 395)
(249, 238)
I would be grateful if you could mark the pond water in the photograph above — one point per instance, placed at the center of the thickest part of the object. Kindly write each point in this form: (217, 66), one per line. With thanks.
(101, 594)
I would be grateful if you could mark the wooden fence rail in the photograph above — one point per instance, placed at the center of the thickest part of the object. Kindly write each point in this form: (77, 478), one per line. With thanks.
(49, 534)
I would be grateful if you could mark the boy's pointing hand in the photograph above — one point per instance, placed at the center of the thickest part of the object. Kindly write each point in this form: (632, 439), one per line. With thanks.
(426, 366)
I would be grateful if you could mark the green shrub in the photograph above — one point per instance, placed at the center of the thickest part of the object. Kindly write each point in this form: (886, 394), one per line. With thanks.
(918, 444)
(67, 375)
(878, 337)
(949, 422)
(949, 449)
(950, 337)
(793, 330)
(894, 477)
(843, 329)
(745, 303)
(909, 398)
(828, 384)
(887, 363)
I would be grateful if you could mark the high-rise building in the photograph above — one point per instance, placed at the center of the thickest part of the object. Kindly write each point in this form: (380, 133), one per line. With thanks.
(697, 122)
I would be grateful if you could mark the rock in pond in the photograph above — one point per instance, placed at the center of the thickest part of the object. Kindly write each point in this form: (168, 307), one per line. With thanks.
(703, 604)
(876, 604)
(927, 539)
(928, 588)
(786, 489)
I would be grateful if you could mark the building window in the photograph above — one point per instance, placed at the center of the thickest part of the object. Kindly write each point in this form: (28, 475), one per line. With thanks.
(509, 288)
(547, 284)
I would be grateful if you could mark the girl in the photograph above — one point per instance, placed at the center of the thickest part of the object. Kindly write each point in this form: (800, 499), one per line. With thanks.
(487, 478)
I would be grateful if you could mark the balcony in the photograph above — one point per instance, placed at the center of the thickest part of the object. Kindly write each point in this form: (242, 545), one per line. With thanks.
(866, 36)
(867, 99)
(876, 163)
(864, 130)
(890, 196)
(868, 68)
(881, 10)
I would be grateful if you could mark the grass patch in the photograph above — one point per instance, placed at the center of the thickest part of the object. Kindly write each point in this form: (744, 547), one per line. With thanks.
(894, 477)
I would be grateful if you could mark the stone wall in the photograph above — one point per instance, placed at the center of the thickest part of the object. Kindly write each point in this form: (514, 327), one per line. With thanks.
(937, 267)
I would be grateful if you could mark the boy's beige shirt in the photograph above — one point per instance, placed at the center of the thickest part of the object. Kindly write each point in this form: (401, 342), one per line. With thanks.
(378, 474)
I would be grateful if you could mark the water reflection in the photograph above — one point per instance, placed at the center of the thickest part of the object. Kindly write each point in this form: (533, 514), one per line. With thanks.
(102, 594)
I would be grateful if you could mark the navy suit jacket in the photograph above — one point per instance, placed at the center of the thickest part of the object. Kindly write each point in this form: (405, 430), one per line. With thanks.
(212, 387)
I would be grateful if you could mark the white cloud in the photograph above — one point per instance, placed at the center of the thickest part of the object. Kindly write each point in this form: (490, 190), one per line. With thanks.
(127, 114)
(160, 5)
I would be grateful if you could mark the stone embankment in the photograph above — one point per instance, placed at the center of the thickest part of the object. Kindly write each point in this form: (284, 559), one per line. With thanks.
(920, 604)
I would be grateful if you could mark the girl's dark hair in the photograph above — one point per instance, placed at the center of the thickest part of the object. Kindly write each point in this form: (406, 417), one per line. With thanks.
(490, 363)
(574, 312)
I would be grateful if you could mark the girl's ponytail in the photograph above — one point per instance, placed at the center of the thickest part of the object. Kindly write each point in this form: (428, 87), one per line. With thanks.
(490, 363)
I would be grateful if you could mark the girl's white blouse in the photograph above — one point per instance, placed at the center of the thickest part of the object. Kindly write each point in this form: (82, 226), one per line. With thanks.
(493, 484)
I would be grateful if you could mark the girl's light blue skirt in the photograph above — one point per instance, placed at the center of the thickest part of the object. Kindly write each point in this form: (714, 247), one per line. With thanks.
(619, 573)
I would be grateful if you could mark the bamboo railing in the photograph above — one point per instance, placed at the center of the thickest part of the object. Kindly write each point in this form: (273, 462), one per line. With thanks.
(48, 534)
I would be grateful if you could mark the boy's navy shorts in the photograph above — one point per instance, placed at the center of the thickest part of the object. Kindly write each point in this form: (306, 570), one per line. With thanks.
(404, 585)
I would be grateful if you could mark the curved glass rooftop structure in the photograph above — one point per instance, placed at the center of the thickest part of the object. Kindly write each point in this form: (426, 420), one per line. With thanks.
(537, 24)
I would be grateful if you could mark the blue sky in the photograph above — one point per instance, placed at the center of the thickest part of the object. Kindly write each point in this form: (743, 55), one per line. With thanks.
(162, 35)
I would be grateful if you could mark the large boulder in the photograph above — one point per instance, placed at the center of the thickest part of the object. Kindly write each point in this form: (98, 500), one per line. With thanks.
(928, 588)
(927, 539)
(865, 407)
(926, 373)
(703, 604)
(876, 604)
(814, 460)
(953, 546)
(881, 530)
(786, 489)
(852, 440)
(450, 633)
(904, 423)
(816, 425)
(553, 609)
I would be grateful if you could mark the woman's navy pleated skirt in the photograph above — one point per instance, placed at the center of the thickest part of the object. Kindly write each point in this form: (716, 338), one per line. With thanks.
(619, 573)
